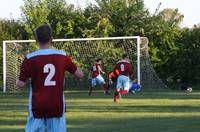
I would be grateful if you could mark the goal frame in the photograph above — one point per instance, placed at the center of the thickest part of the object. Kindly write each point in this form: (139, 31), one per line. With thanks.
(138, 40)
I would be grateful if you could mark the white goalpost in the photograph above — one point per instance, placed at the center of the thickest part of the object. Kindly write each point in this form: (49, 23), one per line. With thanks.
(82, 50)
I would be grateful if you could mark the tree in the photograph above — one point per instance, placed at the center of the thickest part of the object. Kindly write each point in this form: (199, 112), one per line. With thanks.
(188, 57)
(163, 32)
(172, 16)
(9, 29)
(34, 13)
(126, 16)
(169, 44)
(96, 25)
(64, 19)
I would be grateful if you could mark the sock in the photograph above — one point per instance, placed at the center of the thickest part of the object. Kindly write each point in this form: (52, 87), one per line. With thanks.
(124, 92)
(90, 90)
(116, 95)
(105, 88)
(108, 86)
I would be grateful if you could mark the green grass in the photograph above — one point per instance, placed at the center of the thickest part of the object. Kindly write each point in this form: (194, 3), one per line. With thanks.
(169, 111)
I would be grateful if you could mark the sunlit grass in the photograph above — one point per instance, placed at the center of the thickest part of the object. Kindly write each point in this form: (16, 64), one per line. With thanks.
(171, 111)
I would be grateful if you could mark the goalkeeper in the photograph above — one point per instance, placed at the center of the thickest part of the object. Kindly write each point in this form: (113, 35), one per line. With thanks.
(134, 86)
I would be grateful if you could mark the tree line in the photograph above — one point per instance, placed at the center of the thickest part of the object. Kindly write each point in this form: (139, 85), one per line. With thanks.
(174, 51)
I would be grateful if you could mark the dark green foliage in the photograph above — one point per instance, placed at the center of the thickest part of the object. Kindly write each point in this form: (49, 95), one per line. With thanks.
(187, 57)
(9, 29)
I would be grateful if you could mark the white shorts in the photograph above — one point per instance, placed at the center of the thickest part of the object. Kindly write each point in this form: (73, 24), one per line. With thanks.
(123, 82)
(45, 124)
(99, 79)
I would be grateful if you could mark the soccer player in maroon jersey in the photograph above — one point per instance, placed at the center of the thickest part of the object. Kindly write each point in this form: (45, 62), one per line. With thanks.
(97, 78)
(125, 70)
(46, 68)
(112, 78)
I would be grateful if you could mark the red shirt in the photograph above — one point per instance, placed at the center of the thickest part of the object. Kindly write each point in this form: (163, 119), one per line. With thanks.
(46, 69)
(113, 76)
(123, 68)
(95, 70)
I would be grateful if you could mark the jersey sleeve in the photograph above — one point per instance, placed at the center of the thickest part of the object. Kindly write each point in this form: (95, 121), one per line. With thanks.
(99, 67)
(70, 66)
(24, 71)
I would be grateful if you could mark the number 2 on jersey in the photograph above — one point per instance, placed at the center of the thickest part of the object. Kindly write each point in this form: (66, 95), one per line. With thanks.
(50, 69)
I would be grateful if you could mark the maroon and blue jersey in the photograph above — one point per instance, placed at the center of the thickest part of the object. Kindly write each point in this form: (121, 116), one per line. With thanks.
(46, 69)
(123, 68)
(95, 70)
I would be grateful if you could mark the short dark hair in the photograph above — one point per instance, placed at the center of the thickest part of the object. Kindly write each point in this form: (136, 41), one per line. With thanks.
(99, 59)
(43, 34)
(124, 56)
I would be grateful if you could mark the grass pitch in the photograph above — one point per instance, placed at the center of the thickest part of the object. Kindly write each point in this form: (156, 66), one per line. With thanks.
(170, 111)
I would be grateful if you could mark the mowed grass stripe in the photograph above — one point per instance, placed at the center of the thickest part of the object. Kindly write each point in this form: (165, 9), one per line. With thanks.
(170, 111)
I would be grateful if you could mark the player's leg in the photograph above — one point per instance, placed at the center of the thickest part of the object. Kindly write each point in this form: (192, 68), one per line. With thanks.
(137, 87)
(117, 93)
(131, 89)
(92, 85)
(102, 82)
(126, 85)
(56, 124)
(106, 89)
(134, 88)
(109, 84)
(35, 125)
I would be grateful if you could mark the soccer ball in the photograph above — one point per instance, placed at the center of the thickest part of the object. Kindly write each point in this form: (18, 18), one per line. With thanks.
(189, 89)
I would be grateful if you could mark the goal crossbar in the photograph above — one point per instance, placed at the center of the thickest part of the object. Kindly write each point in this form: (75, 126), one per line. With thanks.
(138, 38)
(75, 39)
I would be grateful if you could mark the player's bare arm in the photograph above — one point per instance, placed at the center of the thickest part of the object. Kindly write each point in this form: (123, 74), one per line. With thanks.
(79, 73)
(99, 68)
(20, 84)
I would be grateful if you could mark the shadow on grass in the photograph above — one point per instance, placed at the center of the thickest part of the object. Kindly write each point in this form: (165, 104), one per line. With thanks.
(12, 130)
(164, 124)
(128, 124)
(98, 94)
(13, 112)
(140, 95)
(145, 108)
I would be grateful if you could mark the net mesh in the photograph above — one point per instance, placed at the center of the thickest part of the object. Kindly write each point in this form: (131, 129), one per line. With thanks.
(84, 53)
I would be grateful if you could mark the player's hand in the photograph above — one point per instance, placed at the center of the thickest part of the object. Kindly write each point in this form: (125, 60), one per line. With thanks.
(132, 78)
(103, 73)
(135, 80)
(110, 82)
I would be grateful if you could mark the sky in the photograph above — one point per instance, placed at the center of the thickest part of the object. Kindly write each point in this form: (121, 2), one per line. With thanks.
(189, 8)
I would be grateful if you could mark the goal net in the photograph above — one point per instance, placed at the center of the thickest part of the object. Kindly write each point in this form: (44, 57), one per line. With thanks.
(84, 52)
